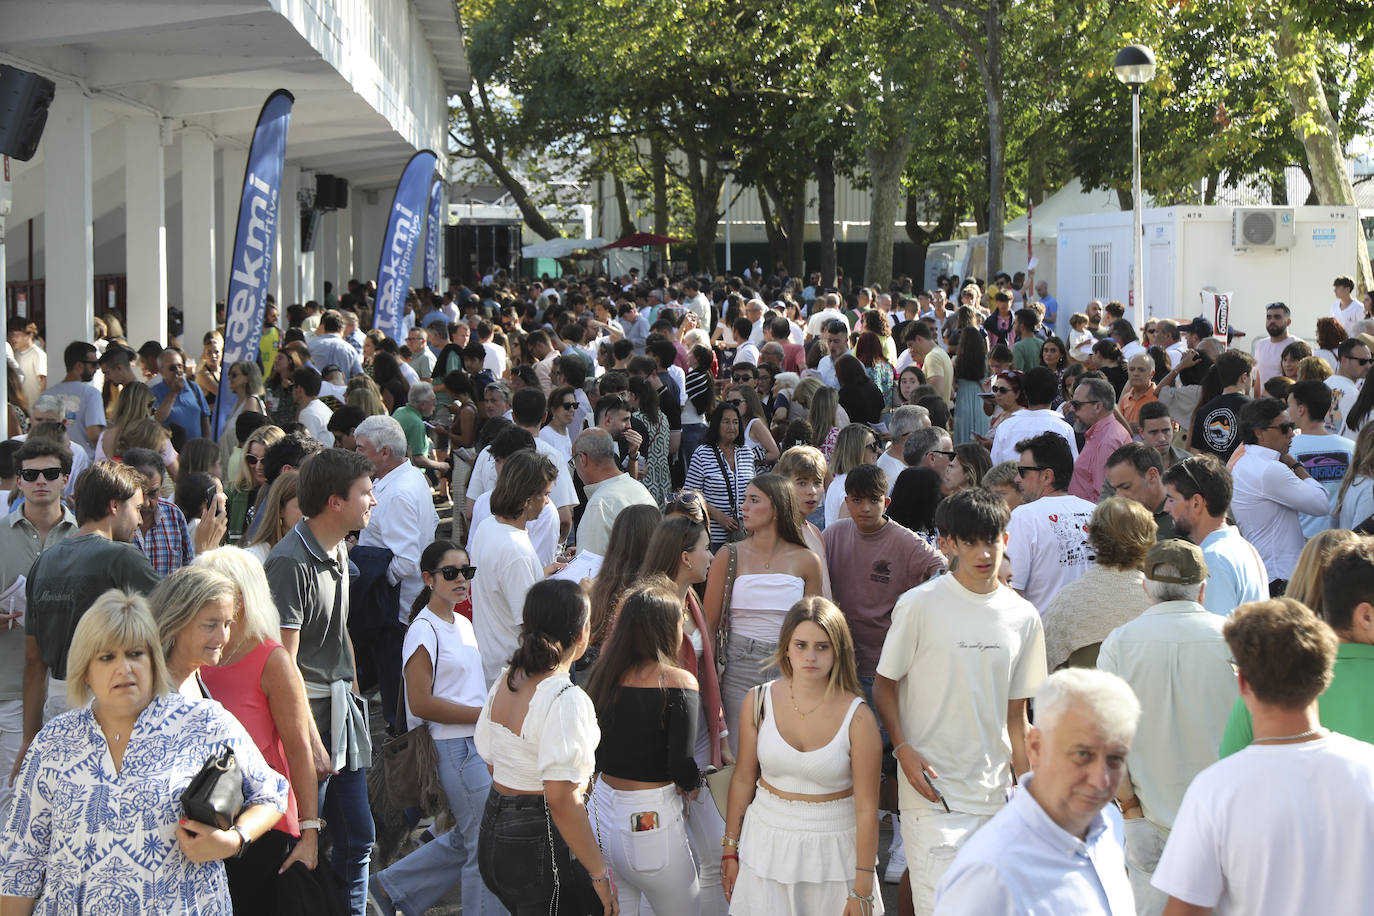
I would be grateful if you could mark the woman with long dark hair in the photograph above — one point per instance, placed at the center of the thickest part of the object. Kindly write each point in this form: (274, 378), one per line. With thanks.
(970, 371)
(538, 733)
(445, 691)
(647, 707)
(754, 582)
(914, 497)
(656, 448)
(619, 569)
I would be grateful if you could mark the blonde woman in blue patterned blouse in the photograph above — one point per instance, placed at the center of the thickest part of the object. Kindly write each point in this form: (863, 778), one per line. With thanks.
(96, 823)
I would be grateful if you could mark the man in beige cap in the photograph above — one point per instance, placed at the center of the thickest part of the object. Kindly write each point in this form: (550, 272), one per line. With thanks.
(1175, 659)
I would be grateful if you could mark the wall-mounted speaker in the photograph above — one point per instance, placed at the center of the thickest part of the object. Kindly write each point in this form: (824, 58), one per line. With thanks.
(24, 101)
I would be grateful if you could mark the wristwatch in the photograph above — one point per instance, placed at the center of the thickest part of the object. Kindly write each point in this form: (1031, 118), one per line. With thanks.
(247, 840)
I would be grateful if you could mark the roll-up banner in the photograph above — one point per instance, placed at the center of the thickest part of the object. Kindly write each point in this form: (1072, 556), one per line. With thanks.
(400, 240)
(255, 242)
(434, 234)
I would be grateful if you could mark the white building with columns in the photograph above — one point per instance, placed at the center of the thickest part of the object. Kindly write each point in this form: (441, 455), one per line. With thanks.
(138, 175)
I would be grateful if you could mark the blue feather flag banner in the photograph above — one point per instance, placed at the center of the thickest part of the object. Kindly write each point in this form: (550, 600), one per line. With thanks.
(255, 244)
(434, 233)
(400, 240)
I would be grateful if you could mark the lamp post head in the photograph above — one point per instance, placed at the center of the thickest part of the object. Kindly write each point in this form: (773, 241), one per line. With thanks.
(1134, 65)
(726, 161)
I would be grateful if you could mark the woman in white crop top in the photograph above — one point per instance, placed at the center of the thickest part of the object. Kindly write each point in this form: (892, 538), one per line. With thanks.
(538, 733)
(804, 839)
(773, 570)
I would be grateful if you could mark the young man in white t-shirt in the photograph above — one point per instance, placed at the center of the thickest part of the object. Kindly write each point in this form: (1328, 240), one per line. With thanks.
(961, 649)
(1047, 539)
(1285, 825)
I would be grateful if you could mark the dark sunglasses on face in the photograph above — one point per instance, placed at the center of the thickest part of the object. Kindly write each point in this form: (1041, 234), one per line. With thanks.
(31, 474)
(1362, 362)
(1283, 428)
(742, 378)
(569, 405)
(1000, 389)
(936, 451)
(735, 402)
(1076, 404)
(251, 460)
(1025, 469)
(450, 573)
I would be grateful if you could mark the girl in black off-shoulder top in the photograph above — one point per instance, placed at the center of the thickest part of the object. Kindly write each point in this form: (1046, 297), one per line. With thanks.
(646, 707)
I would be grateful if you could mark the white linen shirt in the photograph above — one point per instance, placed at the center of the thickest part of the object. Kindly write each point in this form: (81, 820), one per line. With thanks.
(1176, 661)
(403, 521)
(1021, 863)
(1024, 424)
(1268, 497)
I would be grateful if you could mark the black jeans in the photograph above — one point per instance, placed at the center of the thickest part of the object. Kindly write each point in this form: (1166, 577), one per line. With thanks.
(525, 863)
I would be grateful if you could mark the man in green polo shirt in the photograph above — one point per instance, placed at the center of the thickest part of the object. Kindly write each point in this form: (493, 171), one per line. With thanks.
(1347, 589)
(419, 406)
(1025, 353)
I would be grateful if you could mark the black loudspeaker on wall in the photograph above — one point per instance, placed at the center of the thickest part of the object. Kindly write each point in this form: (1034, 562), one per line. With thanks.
(24, 101)
(331, 193)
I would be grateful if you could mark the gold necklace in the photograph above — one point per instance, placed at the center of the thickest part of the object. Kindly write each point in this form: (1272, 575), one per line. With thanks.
(793, 698)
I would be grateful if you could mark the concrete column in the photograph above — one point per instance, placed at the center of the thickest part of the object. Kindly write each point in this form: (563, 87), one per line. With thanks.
(69, 271)
(356, 206)
(233, 163)
(327, 254)
(198, 290)
(145, 230)
(288, 269)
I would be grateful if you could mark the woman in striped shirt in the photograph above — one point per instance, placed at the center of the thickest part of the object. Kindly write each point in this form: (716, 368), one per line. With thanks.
(721, 470)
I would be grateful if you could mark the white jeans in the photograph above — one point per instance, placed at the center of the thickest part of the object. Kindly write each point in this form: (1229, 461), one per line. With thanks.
(1144, 845)
(11, 736)
(653, 866)
(932, 839)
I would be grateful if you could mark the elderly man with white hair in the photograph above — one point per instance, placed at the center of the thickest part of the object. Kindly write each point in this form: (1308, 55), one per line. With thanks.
(905, 420)
(404, 518)
(1052, 850)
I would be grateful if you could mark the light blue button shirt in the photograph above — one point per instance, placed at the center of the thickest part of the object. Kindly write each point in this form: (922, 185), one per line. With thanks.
(1235, 571)
(1021, 862)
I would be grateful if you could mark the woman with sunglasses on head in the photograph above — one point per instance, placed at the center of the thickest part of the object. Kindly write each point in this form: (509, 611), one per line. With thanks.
(247, 475)
(745, 399)
(1007, 399)
(753, 583)
(444, 689)
(855, 445)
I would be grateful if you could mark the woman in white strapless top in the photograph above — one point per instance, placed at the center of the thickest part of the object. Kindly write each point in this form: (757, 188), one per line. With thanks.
(801, 827)
(773, 570)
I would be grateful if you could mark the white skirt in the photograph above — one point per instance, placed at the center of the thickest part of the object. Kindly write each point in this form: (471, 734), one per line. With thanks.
(796, 858)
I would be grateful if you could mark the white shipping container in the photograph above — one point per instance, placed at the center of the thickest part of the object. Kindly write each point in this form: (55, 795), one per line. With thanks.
(1189, 249)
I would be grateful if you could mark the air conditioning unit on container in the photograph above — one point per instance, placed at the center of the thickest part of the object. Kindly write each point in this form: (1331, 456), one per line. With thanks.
(1262, 227)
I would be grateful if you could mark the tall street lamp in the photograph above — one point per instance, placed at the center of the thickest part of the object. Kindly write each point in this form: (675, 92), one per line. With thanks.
(1135, 66)
(726, 161)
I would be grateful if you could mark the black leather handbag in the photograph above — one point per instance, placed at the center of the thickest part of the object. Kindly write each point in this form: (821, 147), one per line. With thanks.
(215, 795)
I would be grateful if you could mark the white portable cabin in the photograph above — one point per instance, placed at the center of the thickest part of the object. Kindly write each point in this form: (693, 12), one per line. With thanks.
(1258, 254)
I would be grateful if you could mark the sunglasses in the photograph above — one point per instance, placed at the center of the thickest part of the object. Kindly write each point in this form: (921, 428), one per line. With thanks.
(450, 573)
(1076, 404)
(735, 402)
(1362, 362)
(251, 460)
(31, 474)
(1001, 389)
(569, 405)
(936, 451)
(876, 448)
(687, 498)
(1284, 428)
(740, 379)
(1024, 469)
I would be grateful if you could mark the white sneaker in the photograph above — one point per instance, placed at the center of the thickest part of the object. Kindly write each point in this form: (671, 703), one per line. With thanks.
(896, 855)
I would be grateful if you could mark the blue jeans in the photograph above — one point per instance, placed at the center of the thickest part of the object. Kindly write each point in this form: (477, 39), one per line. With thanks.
(343, 804)
(748, 663)
(693, 434)
(421, 879)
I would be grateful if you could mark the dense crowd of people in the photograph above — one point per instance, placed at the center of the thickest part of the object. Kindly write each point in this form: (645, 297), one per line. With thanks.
(669, 565)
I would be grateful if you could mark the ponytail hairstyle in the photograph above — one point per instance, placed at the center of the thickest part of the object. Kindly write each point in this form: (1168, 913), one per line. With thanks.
(429, 563)
(555, 614)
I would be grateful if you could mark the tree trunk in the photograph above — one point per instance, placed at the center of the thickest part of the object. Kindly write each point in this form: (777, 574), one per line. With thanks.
(658, 164)
(1209, 193)
(777, 235)
(795, 223)
(622, 204)
(491, 158)
(705, 186)
(825, 215)
(922, 237)
(1320, 136)
(886, 163)
(997, 140)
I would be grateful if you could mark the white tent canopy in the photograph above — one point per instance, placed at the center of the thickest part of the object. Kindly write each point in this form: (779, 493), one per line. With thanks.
(561, 248)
